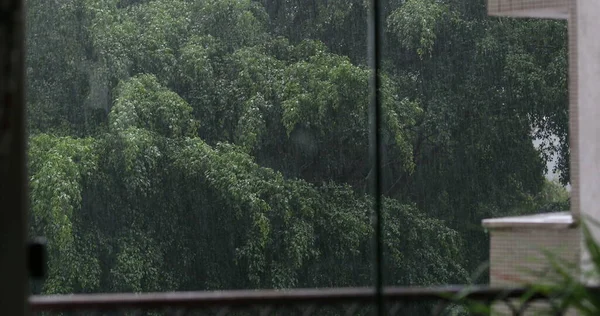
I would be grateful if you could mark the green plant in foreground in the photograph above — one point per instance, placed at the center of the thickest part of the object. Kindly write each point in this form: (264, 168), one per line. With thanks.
(573, 288)
(564, 285)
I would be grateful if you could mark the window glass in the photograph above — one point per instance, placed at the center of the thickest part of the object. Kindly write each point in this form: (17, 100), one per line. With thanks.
(199, 145)
(182, 145)
(482, 133)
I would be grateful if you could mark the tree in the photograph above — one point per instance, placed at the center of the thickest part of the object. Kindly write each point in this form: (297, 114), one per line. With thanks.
(195, 145)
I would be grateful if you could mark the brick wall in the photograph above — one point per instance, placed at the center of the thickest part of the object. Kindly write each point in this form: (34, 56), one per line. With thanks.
(517, 257)
(514, 252)
(529, 8)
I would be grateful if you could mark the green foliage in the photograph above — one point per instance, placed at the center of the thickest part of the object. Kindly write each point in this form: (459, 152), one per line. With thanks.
(142, 102)
(415, 23)
(553, 197)
(568, 285)
(59, 168)
(237, 23)
(222, 144)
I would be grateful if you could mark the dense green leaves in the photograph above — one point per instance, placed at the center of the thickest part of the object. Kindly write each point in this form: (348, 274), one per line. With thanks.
(59, 169)
(142, 102)
(416, 24)
(221, 144)
(237, 23)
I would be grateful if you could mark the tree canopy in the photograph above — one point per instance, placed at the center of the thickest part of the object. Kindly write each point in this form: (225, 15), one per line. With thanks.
(223, 144)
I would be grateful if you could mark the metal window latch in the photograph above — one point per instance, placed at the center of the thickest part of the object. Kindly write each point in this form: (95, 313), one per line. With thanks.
(37, 258)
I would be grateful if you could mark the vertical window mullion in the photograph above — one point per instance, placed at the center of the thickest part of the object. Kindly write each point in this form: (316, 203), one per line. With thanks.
(375, 119)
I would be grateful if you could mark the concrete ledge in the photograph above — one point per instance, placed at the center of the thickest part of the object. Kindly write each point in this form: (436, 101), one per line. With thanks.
(559, 220)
